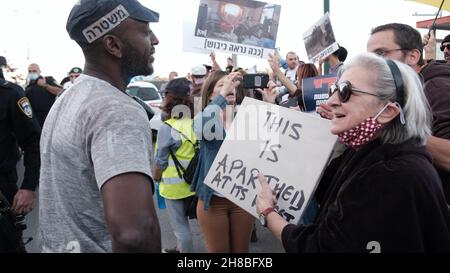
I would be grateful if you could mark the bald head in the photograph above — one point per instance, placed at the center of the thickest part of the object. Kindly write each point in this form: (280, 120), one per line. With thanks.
(34, 68)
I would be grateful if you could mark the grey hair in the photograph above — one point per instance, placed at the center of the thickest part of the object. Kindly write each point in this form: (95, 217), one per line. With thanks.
(416, 110)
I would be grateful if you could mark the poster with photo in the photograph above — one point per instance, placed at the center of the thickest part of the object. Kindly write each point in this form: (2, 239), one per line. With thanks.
(320, 41)
(243, 27)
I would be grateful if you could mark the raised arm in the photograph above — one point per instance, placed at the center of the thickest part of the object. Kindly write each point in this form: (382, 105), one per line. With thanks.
(215, 65)
(211, 115)
(429, 45)
(273, 62)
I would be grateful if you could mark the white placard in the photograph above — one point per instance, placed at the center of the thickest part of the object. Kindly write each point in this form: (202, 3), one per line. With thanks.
(291, 149)
(320, 41)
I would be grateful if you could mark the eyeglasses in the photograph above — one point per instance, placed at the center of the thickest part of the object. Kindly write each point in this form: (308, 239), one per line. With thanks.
(345, 91)
(384, 52)
(444, 47)
(74, 76)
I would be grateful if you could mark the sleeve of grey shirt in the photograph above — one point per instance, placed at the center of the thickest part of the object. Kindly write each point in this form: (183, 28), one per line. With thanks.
(167, 139)
(120, 140)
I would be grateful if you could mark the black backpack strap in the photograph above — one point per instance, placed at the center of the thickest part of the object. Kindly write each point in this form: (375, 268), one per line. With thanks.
(178, 166)
(183, 135)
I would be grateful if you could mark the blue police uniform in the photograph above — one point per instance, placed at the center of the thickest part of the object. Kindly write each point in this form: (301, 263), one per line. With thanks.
(18, 128)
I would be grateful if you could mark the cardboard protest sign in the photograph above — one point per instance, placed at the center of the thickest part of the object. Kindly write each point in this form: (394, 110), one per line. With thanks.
(290, 148)
(315, 91)
(243, 27)
(319, 40)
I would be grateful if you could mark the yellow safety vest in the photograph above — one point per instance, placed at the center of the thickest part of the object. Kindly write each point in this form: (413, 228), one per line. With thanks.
(172, 186)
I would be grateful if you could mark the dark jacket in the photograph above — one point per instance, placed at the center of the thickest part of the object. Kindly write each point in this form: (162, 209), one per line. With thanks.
(18, 127)
(41, 100)
(436, 77)
(385, 195)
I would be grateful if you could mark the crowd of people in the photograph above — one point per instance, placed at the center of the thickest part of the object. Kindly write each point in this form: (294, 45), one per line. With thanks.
(88, 145)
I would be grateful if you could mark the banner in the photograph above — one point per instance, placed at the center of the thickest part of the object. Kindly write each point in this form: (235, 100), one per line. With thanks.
(315, 91)
(190, 42)
(243, 27)
(319, 40)
(291, 150)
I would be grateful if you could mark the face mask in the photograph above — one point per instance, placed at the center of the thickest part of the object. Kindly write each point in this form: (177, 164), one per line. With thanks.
(362, 133)
(199, 81)
(33, 76)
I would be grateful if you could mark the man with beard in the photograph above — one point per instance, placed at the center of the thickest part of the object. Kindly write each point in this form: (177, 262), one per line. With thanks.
(96, 186)
(445, 47)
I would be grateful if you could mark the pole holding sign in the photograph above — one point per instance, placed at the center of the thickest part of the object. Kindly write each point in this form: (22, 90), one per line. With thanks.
(289, 147)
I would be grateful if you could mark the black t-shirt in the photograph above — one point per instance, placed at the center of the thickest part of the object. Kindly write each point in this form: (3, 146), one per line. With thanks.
(41, 100)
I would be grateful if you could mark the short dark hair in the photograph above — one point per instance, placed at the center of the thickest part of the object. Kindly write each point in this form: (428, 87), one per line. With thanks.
(341, 54)
(405, 36)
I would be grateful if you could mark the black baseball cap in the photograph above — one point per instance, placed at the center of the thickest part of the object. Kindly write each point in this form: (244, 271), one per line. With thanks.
(179, 87)
(446, 40)
(91, 19)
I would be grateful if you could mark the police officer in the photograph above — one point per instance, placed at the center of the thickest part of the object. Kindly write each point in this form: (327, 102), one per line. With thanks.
(42, 92)
(18, 127)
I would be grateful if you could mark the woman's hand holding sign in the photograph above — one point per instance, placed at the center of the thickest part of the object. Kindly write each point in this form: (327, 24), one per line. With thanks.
(266, 198)
(265, 203)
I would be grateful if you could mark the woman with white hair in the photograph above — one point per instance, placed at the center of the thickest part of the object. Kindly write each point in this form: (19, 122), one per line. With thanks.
(382, 194)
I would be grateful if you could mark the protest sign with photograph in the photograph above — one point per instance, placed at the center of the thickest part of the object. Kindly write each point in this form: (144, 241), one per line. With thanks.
(289, 147)
(190, 41)
(315, 91)
(243, 27)
(319, 40)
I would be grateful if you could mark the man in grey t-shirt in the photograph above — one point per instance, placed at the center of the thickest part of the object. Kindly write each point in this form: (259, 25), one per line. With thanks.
(96, 186)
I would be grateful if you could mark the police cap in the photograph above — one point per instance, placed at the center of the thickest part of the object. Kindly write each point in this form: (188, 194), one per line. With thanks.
(179, 87)
(90, 20)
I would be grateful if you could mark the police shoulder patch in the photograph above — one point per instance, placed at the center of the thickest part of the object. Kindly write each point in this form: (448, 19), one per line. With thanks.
(25, 106)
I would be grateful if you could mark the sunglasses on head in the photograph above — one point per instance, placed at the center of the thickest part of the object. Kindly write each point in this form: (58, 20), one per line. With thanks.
(446, 46)
(345, 90)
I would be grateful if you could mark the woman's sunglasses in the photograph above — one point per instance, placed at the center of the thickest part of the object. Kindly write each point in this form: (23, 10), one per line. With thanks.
(345, 90)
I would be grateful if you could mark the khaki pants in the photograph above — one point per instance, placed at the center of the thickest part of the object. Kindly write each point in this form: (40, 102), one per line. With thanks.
(226, 227)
